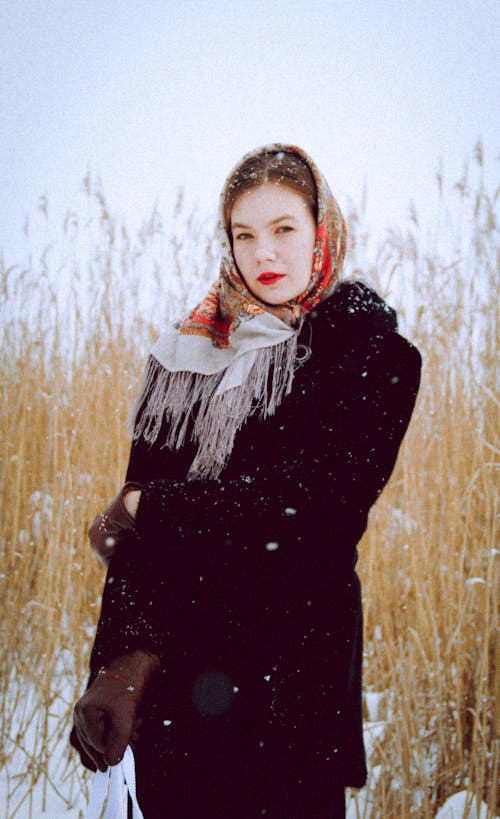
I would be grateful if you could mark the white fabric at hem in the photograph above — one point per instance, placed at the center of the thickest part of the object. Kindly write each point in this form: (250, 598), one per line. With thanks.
(111, 788)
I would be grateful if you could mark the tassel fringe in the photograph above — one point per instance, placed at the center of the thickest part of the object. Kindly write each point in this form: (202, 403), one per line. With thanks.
(178, 397)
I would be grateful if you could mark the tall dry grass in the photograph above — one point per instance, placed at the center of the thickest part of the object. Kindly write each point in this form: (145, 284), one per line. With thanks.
(77, 320)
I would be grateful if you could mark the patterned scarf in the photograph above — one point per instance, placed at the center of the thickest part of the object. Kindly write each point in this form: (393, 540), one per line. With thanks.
(215, 364)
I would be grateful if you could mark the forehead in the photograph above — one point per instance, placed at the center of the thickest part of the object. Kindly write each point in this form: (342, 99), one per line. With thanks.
(268, 201)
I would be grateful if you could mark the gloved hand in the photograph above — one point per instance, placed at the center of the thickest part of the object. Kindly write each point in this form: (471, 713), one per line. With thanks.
(105, 718)
(105, 531)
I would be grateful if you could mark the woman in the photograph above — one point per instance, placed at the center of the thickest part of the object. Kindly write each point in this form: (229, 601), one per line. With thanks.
(229, 643)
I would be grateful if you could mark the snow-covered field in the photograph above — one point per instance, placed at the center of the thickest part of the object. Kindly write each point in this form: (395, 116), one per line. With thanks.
(26, 793)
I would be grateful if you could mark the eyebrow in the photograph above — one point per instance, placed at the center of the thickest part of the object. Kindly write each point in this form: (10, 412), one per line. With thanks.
(285, 217)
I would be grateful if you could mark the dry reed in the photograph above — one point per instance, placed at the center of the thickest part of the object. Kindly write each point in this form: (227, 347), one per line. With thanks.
(74, 336)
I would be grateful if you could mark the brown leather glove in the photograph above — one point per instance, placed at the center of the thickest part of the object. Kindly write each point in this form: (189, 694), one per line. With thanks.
(107, 528)
(105, 718)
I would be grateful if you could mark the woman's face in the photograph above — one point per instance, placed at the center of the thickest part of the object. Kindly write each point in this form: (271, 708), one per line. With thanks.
(273, 240)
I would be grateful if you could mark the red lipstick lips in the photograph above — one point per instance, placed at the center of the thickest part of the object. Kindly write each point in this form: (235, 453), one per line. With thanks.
(269, 277)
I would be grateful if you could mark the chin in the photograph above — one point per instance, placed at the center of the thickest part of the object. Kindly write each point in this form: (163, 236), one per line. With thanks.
(274, 300)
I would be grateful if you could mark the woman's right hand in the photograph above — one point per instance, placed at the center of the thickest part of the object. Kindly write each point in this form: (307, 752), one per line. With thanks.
(118, 517)
(105, 717)
(131, 501)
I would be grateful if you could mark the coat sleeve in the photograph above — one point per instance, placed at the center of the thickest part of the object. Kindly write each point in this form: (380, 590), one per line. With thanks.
(379, 386)
(364, 404)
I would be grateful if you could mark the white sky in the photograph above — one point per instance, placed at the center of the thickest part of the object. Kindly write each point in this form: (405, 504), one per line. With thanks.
(156, 94)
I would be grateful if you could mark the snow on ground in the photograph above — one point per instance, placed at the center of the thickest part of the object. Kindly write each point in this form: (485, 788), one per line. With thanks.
(41, 776)
(462, 805)
(25, 793)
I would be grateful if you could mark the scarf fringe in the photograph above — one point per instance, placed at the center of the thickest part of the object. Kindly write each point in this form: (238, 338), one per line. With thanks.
(178, 397)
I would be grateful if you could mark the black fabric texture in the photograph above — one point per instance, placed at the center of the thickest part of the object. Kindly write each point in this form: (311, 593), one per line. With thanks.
(245, 586)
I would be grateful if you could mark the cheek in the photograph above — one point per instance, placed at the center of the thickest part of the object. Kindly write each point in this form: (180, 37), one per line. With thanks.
(241, 259)
(304, 251)
(237, 254)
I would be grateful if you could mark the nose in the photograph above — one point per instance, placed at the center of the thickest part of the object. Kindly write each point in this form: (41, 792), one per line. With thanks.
(265, 251)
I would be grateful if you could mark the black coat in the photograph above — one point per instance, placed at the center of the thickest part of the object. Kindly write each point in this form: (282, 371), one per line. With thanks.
(245, 586)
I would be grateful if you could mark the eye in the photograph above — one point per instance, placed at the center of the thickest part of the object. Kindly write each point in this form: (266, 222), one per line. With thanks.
(285, 229)
(241, 237)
